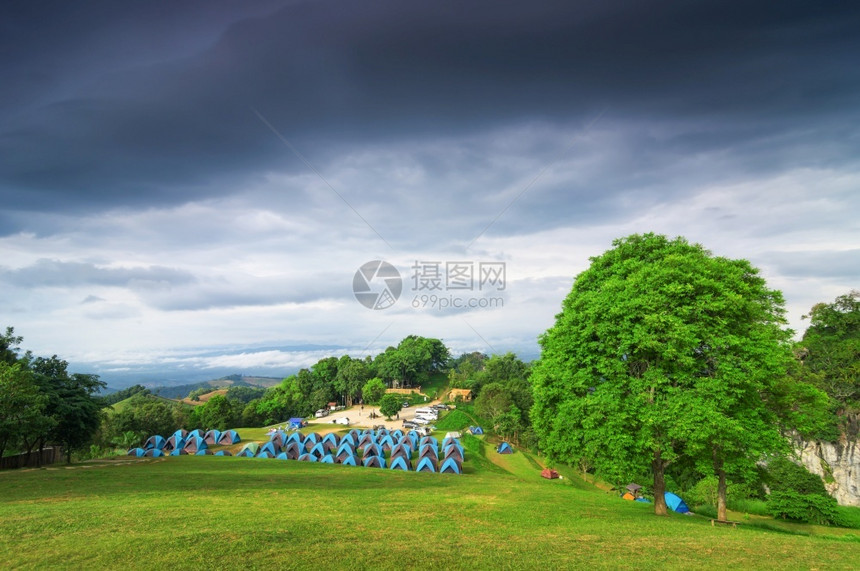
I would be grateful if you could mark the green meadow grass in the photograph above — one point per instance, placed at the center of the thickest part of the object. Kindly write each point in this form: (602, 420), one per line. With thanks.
(454, 420)
(221, 513)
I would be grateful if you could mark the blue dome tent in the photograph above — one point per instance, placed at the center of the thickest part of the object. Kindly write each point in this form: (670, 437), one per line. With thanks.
(426, 465)
(156, 441)
(450, 466)
(373, 462)
(270, 448)
(194, 443)
(229, 437)
(212, 437)
(317, 450)
(371, 450)
(400, 463)
(675, 503)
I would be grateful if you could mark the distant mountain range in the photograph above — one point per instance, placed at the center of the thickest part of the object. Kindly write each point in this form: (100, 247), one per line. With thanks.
(180, 391)
(177, 391)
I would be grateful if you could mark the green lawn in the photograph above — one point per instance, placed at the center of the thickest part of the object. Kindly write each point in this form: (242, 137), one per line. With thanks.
(211, 512)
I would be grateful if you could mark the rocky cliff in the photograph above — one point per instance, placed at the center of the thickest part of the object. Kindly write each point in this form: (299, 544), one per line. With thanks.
(838, 464)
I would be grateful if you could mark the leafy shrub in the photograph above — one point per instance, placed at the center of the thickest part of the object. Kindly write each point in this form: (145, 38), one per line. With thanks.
(810, 508)
(849, 516)
(799, 495)
(785, 475)
(704, 493)
(740, 497)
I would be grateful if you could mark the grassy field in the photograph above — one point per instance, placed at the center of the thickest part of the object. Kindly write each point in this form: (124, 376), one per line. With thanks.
(209, 512)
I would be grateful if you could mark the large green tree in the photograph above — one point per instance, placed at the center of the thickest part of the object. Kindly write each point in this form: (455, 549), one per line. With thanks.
(9, 343)
(72, 404)
(145, 416)
(660, 353)
(830, 350)
(219, 413)
(352, 374)
(22, 406)
(390, 404)
(373, 390)
(412, 360)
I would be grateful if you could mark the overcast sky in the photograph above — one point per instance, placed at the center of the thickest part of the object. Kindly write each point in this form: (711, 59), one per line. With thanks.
(192, 186)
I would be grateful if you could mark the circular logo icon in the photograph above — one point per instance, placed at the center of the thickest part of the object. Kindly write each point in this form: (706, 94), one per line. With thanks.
(377, 285)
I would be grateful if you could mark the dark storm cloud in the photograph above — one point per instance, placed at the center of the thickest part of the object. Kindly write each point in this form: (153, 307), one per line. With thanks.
(54, 273)
(152, 107)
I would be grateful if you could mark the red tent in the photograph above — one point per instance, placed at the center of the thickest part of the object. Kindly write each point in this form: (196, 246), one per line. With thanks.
(549, 474)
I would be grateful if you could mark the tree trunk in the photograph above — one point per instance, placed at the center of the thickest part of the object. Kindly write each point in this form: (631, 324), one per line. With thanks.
(657, 466)
(721, 494)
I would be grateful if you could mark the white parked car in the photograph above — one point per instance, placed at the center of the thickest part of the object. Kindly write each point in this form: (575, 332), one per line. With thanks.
(343, 420)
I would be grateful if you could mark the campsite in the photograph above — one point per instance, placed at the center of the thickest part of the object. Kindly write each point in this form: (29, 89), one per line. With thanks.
(464, 491)
(326, 284)
(184, 511)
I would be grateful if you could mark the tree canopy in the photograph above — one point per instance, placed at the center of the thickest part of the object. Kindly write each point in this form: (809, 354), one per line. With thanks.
(662, 351)
(390, 404)
(830, 349)
(42, 403)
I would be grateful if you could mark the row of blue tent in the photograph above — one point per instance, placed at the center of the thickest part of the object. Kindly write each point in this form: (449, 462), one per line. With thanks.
(476, 430)
(367, 448)
(184, 442)
(355, 435)
(408, 451)
(156, 453)
(181, 437)
(449, 465)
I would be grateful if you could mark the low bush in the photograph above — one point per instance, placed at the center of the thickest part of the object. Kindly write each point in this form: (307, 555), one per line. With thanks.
(849, 516)
(810, 508)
